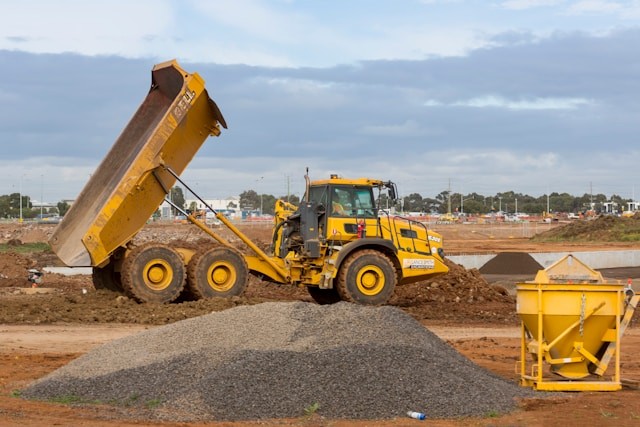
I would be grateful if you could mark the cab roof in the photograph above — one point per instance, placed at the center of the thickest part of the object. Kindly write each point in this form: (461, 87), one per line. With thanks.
(337, 180)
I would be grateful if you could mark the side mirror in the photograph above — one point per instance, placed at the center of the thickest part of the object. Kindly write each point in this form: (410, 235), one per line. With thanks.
(393, 192)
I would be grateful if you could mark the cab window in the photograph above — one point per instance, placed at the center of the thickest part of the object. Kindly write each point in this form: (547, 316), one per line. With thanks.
(352, 202)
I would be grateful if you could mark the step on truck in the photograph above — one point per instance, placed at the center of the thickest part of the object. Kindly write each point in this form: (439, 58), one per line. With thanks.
(337, 243)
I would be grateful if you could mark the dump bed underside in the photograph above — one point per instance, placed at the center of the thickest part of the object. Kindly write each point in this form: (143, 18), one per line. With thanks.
(167, 130)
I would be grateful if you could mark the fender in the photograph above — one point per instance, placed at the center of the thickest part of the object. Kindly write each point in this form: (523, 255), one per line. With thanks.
(368, 242)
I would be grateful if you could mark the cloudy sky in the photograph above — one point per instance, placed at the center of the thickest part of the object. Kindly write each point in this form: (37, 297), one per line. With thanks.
(533, 96)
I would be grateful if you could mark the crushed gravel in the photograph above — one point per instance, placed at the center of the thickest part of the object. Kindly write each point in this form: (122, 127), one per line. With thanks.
(274, 360)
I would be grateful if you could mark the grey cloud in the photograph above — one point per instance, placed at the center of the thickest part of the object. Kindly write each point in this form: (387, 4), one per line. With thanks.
(19, 39)
(401, 113)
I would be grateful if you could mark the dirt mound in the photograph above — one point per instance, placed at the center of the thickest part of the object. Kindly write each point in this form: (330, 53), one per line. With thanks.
(14, 269)
(459, 294)
(511, 263)
(14, 272)
(607, 228)
(338, 359)
(26, 232)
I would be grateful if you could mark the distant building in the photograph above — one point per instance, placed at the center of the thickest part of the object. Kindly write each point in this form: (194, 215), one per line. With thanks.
(44, 206)
(229, 206)
(610, 207)
(633, 206)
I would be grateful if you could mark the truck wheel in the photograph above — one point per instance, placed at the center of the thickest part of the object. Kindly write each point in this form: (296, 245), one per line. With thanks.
(367, 277)
(153, 273)
(217, 272)
(324, 296)
(106, 278)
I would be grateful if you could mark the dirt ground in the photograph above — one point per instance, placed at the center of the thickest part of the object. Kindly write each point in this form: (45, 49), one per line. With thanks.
(45, 327)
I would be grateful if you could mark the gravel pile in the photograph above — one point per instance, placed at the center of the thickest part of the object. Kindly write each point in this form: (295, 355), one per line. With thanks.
(274, 360)
(511, 263)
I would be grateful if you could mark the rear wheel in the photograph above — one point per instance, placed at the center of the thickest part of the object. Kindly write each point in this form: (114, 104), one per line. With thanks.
(324, 296)
(367, 277)
(107, 278)
(217, 272)
(153, 273)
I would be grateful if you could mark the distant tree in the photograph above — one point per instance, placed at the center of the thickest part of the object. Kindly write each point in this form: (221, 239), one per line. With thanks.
(268, 204)
(5, 206)
(63, 207)
(249, 199)
(470, 204)
(177, 197)
(430, 205)
(413, 203)
(231, 205)
(291, 198)
(444, 201)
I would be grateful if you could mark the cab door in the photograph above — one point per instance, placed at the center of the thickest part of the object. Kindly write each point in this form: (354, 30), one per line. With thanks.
(352, 213)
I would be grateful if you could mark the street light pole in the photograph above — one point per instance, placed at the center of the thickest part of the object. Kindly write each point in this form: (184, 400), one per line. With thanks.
(21, 219)
(258, 181)
(41, 193)
(20, 190)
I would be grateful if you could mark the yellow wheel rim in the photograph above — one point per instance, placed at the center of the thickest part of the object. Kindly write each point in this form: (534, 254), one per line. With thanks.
(370, 280)
(157, 274)
(221, 276)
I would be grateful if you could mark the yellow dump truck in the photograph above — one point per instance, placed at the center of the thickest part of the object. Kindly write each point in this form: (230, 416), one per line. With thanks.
(336, 243)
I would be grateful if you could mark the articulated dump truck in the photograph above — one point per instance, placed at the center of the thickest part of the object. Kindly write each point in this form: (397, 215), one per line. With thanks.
(336, 243)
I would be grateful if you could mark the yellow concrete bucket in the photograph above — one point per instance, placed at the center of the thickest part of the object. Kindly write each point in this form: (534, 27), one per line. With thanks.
(572, 321)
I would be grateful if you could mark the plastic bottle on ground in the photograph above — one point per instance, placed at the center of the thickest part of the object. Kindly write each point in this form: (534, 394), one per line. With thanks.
(416, 415)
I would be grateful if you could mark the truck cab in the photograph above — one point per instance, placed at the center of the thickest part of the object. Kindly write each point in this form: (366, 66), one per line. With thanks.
(338, 220)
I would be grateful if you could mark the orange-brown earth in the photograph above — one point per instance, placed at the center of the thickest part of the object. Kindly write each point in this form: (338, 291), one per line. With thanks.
(40, 332)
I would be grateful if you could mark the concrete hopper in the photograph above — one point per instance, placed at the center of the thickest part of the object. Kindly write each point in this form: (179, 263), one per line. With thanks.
(572, 322)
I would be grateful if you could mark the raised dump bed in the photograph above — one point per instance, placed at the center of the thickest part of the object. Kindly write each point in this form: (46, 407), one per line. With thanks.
(572, 323)
(171, 124)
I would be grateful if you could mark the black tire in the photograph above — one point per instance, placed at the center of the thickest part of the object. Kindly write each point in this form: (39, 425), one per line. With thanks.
(153, 273)
(367, 277)
(217, 272)
(324, 296)
(107, 278)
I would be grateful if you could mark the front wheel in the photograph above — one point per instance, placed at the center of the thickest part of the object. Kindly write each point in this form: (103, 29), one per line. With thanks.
(367, 277)
(153, 273)
(218, 272)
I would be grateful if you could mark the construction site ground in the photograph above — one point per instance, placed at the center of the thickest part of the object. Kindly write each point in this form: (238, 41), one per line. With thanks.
(43, 328)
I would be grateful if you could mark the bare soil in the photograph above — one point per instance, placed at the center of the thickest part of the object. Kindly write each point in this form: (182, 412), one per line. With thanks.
(45, 327)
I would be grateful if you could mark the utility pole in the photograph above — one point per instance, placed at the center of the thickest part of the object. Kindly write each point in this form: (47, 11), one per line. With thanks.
(288, 187)
(20, 199)
(449, 198)
(548, 211)
(41, 193)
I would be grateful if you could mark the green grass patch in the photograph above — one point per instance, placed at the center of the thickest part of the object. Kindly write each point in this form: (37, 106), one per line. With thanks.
(492, 414)
(67, 399)
(630, 237)
(26, 247)
(312, 409)
(153, 403)
(607, 414)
